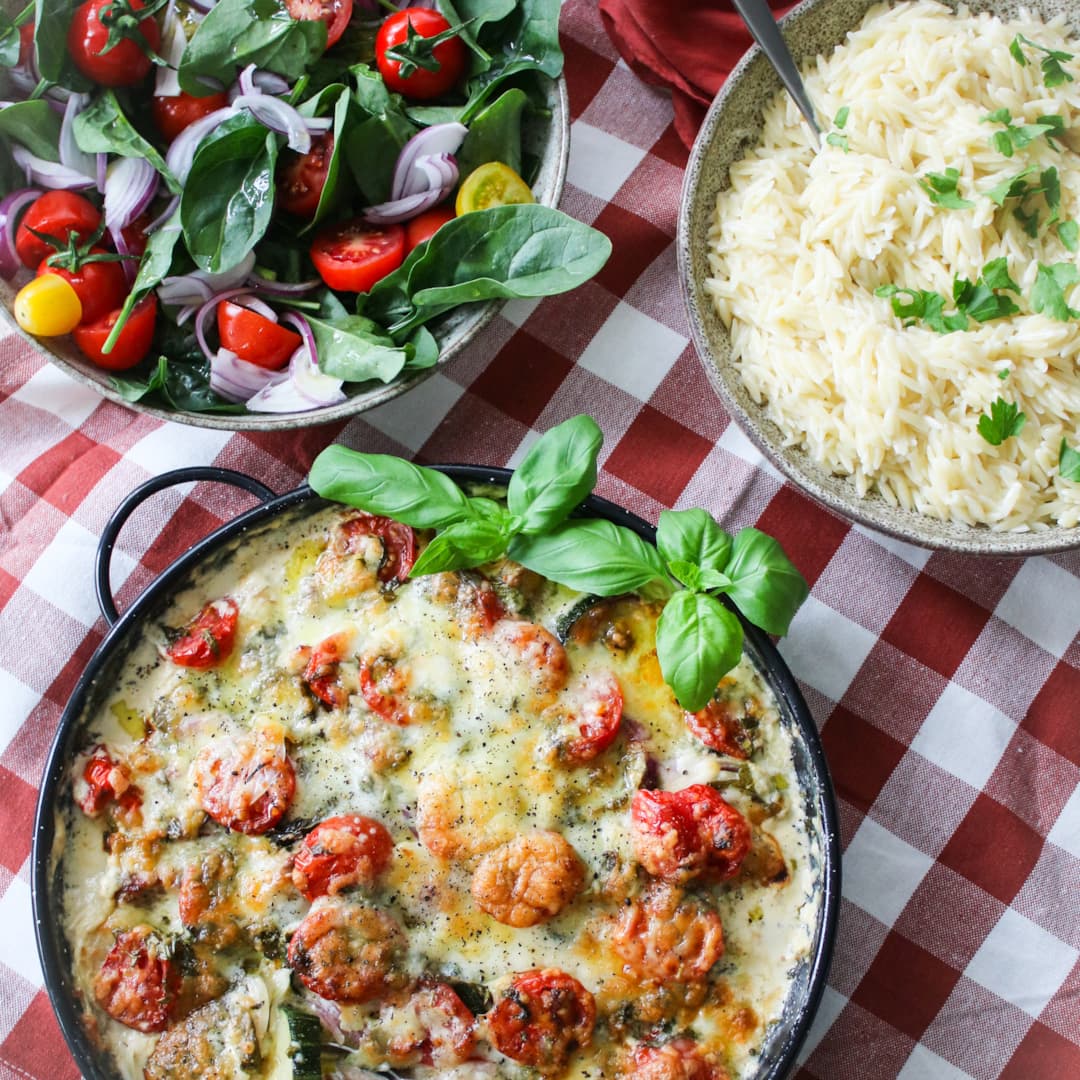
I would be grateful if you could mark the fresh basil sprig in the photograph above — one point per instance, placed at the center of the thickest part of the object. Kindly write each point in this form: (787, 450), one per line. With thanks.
(698, 639)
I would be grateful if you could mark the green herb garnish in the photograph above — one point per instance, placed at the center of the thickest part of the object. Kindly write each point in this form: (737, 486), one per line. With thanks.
(1017, 136)
(942, 189)
(1003, 374)
(834, 138)
(978, 300)
(698, 638)
(1069, 234)
(1053, 73)
(1048, 294)
(922, 305)
(1004, 421)
(1069, 462)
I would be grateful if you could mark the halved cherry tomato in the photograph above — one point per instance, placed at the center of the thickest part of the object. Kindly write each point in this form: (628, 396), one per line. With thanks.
(57, 214)
(352, 256)
(173, 114)
(126, 63)
(440, 1032)
(339, 852)
(718, 726)
(383, 685)
(254, 337)
(138, 982)
(302, 177)
(26, 43)
(208, 639)
(680, 834)
(679, 1059)
(48, 306)
(424, 226)
(538, 651)
(132, 344)
(106, 781)
(135, 234)
(335, 13)
(450, 55)
(593, 712)
(321, 672)
(245, 785)
(100, 286)
(398, 541)
(493, 184)
(541, 1017)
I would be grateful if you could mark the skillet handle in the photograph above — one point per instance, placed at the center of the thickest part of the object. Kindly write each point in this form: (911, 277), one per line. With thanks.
(103, 560)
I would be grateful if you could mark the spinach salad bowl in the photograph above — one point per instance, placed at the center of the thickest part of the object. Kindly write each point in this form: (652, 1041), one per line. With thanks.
(520, 119)
(277, 519)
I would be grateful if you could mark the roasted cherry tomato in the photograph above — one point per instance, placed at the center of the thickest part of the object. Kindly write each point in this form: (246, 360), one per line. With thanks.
(440, 1032)
(340, 852)
(126, 63)
(100, 286)
(107, 780)
(132, 344)
(247, 784)
(719, 727)
(353, 256)
(321, 670)
(424, 226)
(57, 214)
(138, 982)
(208, 639)
(254, 337)
(680, 834)
(47, 306)
(335, 13)
(383, 685)
(398, 541)
(538, 651)
(679, 1059)
(173, 114)
(450, 55)
(493, 184)
(302, 177)
(541, 1018)
(593, 713)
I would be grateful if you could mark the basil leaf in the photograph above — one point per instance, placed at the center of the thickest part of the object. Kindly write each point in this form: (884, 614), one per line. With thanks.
(765, 586)
(463, 545)
(556, 474)
(356, 349)
(687, 572)
(34, 125)
(381, 484)
(692, 536)
(591, 556)
(1068, 462)
(495, 134)
(102, 128)
(698, 641)
(228, 199)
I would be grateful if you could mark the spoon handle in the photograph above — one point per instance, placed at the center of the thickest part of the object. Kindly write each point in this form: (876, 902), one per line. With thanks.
(762, 26)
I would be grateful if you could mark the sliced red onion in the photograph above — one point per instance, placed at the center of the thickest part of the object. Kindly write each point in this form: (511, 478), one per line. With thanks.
(129, 266)
(282, 288)
(253, 303)
(235, 379)
(49, 174)
(437, 170)
(202, 5)
(200, 285)
(253, 81)
(130, 187)
(304, 388)
(437, 176)
(164, 216)
(182, 152)
(281, 117)
(432, 141)
(173, 43)
(11, 207)
(391, 213)
(101, 166)
(70, 153)
(207, 308)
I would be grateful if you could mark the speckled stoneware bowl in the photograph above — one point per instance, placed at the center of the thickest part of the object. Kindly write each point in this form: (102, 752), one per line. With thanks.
(547, 138)
(731, 128)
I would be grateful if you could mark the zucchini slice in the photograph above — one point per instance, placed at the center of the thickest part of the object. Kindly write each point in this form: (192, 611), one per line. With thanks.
(304, 1050)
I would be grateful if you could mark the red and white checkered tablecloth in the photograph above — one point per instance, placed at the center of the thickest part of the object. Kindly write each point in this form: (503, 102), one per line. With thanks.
(947, 689)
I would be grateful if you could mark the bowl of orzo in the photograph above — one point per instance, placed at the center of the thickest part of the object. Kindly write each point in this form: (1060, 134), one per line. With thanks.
(894, 317)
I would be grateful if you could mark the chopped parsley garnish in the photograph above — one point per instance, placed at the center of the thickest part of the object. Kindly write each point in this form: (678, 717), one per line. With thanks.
(977, 300)
(1017, 187)
(1053, 73)
(1012, 187)
(1003, 374)
(1017, 136)
(924, 305)
(1069, 462)
(834, 138)
(1069, 234)
(941, 187)
(1048, 294)
(1004, 421)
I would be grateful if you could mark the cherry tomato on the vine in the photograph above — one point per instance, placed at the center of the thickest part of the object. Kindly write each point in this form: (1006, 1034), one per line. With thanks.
(57, 214)
(173, 114)
(354, 255)
(424, 226)
(126, 63)
(132, 344)
(254, 337)
(335, 13)
(302, 177)
(100, 286)
(450, 55)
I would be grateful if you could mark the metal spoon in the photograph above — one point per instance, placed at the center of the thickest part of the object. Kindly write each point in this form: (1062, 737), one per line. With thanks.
(762, 26)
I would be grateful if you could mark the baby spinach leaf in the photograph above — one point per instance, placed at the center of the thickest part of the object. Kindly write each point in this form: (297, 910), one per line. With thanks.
(318, 105)
(495, 134)
(51, 21)
(229, 196)
(355, 349)
(765, 586)
(423, 350)
(692, 536)
(9, 40)
(698, 641)
(372, 146)
(34, 125)
(178, 384)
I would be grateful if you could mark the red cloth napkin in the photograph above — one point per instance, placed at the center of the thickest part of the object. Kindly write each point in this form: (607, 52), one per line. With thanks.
(689, 46)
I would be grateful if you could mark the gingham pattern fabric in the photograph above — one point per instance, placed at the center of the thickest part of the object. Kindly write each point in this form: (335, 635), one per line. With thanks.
(947, 689)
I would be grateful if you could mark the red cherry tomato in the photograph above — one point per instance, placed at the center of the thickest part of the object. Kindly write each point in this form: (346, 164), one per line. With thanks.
(106, 781)
(26, 43)
(302, 177)
(138, 982)
(679, 1059)
(351, 257)
(321, 672)
(125, 64)
(424, 226)
(383, 686)
(254, 337)
(541, 1018)
(538, 651)
(680, 834)
(135, 235)
(718, 726)
(398, 541)
(173, 114)
(132, 344)
(335, 13)
(340, 852)
(208, 639)
(593, 712)
(421, 85)
(57, 214)
(100, 286)
(246, 784)
(440, 1032)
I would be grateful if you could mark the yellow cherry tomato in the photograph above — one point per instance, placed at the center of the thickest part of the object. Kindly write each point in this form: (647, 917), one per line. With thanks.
(493, 184)
(48, 306)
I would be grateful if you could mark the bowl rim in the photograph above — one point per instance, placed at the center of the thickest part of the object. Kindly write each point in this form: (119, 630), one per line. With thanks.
(481, 313)
(48, 934)
(871, 511)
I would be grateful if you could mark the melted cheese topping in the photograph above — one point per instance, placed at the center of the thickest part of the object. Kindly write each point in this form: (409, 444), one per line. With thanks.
(481, 773)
